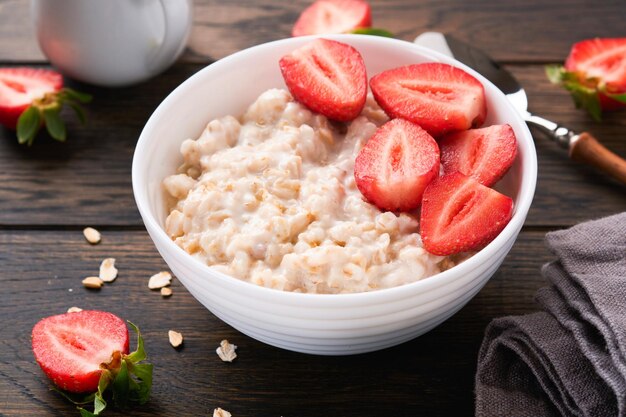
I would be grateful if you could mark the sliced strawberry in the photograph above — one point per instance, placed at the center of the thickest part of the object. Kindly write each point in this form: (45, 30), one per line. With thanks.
(396, 164)
(70, 348)
(328, 77)
(459, 214)
(19, 87)
(595, 74)
(484, 154)
(333, 16)
(438, 97)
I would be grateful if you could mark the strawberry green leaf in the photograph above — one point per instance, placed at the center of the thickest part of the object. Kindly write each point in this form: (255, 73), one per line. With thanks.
(618, 97)
(77, 399)
(85, 413)
(54, 124)
(144, 373)
(139, 354)
(28, 125)
(555, 73)
(76, 95)
(585, 98)
(80, 113)
(373, 32)
(121, 386)
(584, 91)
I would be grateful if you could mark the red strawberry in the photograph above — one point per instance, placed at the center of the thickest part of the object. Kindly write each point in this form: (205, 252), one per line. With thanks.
(459, 214)
(438, 97)
(595, 74)
(328, 77)
(71, 347)
(19, 87)
(333, 16)
(396, 164)
(484, 154)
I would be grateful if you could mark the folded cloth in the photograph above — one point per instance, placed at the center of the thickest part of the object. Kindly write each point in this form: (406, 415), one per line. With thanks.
(571, 359)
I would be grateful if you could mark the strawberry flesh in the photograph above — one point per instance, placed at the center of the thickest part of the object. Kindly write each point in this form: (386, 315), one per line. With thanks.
(395, 166)
(328, 77)
(484, 154)
(459, 214)
(19, 87)
(71, 347)
(438, 97)
(333, 16)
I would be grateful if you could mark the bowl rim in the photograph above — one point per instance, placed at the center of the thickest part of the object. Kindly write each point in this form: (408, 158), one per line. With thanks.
(525, 193)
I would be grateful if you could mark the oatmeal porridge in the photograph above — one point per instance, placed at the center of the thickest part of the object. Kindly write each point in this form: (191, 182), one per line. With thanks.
(270, 198)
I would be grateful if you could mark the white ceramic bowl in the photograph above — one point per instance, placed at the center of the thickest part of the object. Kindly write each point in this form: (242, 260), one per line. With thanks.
(314, 323)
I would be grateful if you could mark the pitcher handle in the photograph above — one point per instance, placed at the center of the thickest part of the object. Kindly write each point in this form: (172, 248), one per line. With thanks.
(178, 16)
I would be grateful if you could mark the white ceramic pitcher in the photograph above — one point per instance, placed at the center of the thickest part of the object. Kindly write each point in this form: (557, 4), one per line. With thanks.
(112, 42)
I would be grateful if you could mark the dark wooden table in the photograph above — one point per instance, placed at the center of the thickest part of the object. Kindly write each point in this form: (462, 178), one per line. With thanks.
(49, 192)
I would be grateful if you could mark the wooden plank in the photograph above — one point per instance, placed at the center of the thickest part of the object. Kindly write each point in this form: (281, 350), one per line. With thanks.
(432, 375)
(532, 30)
(87, 180)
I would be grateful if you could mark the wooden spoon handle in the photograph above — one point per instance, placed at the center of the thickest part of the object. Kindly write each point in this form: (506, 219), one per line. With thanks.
(588, 150)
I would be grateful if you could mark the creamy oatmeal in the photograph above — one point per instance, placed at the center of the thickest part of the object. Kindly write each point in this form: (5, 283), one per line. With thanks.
(270, 198)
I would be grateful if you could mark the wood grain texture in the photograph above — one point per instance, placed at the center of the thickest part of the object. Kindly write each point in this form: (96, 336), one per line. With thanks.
(431, 375)
(87, 179)
(515, 30)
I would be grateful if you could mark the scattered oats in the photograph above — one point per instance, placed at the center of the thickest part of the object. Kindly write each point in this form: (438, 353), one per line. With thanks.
(226, 351)
(108, 271)
(160, 280)
(92, 235)
(74, 309)
(166, 292)
(176, 339)
(92, 282)
(218, 412)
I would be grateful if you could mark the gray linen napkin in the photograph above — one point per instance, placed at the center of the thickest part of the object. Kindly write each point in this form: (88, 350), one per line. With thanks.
(571, 359)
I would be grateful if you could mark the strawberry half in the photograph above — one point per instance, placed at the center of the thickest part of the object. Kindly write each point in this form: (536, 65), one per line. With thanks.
(87, 353)
(595, 74)
(395, 166)
(71, 347)
(438, 97)
(31, 98)
(484, 154)
(459, 214)
(19, 87)
(328, 77)
(333, 16)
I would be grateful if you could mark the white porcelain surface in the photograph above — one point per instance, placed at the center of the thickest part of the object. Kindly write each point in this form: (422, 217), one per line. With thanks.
(314, 323)
(112, 42)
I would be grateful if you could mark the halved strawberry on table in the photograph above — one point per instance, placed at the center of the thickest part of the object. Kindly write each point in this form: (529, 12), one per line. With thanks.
(86, 352)
(328, 77)
(439, 97)
(485, 154)
(459, 214)
(33, 97)
(333, 16)
(395, 166)
(19, 87)
(594, 74)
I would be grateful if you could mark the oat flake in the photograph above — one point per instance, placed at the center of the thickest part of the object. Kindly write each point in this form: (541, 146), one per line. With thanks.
(226, 351)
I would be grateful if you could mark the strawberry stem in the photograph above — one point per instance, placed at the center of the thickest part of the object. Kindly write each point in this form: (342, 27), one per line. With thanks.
(47, 111)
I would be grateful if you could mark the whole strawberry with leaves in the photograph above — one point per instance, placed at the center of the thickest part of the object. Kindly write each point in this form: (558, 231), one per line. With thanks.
(86, 355)
(31, 98)
(594, 74)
